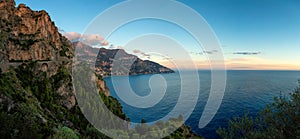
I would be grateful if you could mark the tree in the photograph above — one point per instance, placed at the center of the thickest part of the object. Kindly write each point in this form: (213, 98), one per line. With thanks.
(143, 121)
(280, 119)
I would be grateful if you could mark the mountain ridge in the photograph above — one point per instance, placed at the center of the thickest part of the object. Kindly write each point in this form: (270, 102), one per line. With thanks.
(118, 62)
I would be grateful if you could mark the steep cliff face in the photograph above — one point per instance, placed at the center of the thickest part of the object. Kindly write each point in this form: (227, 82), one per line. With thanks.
(27, 35)
(30, 35)
(102, 85)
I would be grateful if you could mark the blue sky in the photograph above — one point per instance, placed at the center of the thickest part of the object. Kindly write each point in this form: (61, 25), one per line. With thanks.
(267, 31)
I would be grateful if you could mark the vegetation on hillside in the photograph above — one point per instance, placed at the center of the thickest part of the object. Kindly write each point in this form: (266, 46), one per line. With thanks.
(117, 128)
(31, 108)
(280, 119)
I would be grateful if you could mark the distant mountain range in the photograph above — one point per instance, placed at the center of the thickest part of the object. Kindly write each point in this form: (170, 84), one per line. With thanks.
(118, 61)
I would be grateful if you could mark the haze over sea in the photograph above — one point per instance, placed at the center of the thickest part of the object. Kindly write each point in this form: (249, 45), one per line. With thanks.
(246, 92)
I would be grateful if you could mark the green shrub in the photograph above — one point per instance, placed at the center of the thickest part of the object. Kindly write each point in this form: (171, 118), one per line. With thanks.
(280, 119)
(65, 133)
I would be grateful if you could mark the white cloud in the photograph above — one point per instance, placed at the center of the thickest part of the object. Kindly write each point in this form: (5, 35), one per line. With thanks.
(89, 39)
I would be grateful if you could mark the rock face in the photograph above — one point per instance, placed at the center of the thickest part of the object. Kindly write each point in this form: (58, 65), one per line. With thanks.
(102, 86)
(30, 35)
(27, 35)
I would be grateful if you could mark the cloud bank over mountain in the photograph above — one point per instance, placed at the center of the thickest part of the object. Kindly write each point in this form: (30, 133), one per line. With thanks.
(89, 39)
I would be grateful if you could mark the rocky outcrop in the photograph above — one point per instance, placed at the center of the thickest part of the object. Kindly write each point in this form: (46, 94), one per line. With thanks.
(30, 35)
(102, 86)
(27, 35)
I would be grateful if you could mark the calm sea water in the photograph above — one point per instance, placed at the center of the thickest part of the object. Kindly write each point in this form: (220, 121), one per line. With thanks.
(246, 91)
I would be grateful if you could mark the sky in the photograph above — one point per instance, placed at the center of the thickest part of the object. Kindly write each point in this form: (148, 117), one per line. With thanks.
(253, 34)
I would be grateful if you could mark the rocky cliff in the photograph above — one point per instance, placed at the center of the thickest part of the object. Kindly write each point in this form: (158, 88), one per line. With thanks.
(30, 35)
(27, 35)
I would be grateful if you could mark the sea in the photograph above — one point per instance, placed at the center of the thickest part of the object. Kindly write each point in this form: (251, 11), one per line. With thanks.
(247, 91)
